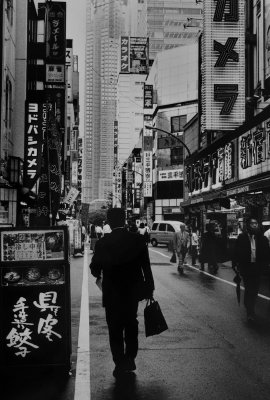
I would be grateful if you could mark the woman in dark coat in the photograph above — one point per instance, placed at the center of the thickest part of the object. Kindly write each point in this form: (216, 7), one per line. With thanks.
(211, 248)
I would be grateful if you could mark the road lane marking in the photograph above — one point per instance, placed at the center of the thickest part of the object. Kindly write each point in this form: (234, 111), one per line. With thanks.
(82, 381)
(212, 276)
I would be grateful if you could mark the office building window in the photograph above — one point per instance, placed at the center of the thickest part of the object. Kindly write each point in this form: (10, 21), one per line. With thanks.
(177, 156)
(178, 122)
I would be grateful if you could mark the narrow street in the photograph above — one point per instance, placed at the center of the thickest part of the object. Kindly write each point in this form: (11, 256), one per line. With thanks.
(209, 351)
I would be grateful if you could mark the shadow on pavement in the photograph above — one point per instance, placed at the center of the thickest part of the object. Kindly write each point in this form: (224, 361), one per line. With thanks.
(128, 388)
(39, 384)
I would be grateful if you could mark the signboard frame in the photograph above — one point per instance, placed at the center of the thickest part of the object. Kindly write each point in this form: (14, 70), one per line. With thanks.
(35, 297)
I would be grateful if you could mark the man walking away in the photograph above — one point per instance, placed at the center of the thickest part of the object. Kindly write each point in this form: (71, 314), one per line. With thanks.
(251, 256)
(123, 261)
(180, 245)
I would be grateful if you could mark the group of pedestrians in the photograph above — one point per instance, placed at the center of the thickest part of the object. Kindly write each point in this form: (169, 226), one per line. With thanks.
(121, 263)
(250, 258)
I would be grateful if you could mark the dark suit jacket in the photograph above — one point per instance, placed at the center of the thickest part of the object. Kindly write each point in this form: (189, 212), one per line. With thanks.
(122, 258)
(242, 254)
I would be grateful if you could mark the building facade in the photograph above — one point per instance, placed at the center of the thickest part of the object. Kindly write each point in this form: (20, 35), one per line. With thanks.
(227, 175)
(105, 24)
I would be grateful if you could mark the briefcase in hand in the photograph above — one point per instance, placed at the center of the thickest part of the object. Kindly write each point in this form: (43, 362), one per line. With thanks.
(154, 320)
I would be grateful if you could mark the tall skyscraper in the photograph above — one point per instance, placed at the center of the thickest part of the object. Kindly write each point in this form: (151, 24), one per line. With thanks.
(105, 24)
(169, 23)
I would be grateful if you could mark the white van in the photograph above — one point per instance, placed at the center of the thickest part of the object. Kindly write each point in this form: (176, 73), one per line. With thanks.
(162, 232)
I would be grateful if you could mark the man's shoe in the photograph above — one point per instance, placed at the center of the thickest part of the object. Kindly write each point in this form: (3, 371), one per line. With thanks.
(181, 270)
(251, 318)
(118, 372)
(130, 365)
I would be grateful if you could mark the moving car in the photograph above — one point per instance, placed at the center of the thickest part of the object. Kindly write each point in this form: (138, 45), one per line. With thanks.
(162, 232)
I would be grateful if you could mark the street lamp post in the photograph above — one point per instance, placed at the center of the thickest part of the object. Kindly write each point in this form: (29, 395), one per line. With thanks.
(153, 128)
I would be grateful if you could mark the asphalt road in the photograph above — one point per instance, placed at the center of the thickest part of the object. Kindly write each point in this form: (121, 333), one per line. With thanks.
(209, 351)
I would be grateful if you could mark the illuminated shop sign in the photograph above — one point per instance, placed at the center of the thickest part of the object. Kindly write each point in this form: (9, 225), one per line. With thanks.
(254, 151)
(223, 65)
(211, 172)
(35, 130)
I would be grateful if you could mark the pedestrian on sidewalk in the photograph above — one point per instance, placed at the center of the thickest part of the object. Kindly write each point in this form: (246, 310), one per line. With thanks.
(99, 231)
(106, 228)
(210, 248)
(194, 245)
(181, 242)
(251, 257)
(143, 230)
(123, 261)
(93, 237)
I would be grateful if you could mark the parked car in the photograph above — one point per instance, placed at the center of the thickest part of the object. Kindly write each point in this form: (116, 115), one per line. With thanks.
(162, 232)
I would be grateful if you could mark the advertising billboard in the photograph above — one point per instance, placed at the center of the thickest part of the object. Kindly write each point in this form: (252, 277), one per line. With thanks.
(223, 65)
(134, 55)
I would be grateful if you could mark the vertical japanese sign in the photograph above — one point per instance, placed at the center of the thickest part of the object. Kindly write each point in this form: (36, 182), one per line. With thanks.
(35, 297)
(124, 56)
(267, 38)
(56, 33)
(115, 142)
(56, 42)
(69, 65)
(147, 158)
(35, 130)
(50, 180)
(223, 65)
(118, 186)
(148, 96)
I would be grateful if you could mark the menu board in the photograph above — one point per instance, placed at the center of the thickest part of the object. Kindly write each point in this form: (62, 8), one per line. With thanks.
(32, 245)
(35, 306)
(34, 329)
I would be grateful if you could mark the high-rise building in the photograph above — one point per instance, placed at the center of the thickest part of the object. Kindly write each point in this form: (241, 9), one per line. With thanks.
(167, 23)
(104, 25)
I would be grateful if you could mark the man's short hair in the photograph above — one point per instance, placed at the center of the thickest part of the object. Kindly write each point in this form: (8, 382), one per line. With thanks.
(250, 218)
(116, 217)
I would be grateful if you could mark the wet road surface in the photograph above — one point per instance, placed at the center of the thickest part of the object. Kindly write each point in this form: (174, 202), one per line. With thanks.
(209, 351)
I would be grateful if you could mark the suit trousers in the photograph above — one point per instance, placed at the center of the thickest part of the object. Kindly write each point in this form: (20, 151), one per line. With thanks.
(252, 285)
(123, 329)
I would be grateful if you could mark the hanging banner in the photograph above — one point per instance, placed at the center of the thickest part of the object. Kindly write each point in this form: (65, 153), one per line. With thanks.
(71, 196)
(50, 181)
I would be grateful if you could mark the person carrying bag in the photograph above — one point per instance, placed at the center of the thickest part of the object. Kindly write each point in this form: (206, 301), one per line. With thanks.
(154, 320)
(122, 259)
